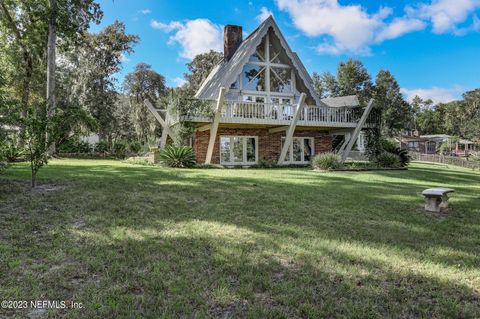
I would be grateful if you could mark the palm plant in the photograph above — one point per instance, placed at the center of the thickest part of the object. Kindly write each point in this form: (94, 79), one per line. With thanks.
(177, 156)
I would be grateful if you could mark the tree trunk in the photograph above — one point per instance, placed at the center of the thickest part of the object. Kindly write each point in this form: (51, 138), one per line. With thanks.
(27, 59)
(51, 63)
(34, 177)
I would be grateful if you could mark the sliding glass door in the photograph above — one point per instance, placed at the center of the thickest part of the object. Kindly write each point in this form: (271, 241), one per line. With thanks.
(300, 151)
(238, 150)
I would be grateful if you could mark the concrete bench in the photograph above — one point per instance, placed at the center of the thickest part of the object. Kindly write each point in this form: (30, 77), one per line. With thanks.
(436, 199)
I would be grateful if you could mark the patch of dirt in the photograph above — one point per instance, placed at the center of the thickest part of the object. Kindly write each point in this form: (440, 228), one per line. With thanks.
(267, 301)
(230, 310)
(441, 215)
(79, 224)
(16, 186)
(37, 313)
(48, 187)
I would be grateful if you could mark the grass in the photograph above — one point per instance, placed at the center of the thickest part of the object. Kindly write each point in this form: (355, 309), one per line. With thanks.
(131, 241)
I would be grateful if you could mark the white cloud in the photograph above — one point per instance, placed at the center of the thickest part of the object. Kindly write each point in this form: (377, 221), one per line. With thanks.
(264, 14)
(350, 28)
(179, 81)
(145, 11)
(399, 27)
(124, 58)
(445, 15)
(194, 36)
(436, 94)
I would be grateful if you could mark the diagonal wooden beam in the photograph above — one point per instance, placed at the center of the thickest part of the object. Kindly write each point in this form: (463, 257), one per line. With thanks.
(357, 130)
(291, 129)
(345, 142)
(166, 129)
(154, 112)
(214, 128)
(164, 123)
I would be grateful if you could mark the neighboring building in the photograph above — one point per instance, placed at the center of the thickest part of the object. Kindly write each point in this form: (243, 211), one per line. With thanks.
(430, 144)
(266, 107)
(91, 139)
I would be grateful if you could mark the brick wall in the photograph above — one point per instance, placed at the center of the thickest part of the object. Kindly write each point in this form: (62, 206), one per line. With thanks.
(269, 144)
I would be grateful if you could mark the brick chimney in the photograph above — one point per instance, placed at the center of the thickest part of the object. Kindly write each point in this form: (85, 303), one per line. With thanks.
(232, 38)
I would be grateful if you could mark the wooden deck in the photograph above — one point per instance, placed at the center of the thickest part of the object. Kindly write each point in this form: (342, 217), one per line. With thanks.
(234, 112)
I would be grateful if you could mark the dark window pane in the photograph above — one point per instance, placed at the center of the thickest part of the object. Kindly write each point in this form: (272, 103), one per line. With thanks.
(259, 55)
(237, 149)
(253, 78)
(234, 86)
(251, 147)
(225, 149)
(281, 80)
(297, 150)
(277, 53)
(307, 149)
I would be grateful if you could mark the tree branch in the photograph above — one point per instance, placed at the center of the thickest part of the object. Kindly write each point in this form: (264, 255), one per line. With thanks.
(13, 26)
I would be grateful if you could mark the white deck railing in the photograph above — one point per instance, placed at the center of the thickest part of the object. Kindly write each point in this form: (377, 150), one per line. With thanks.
(278, 112)
(271, 113)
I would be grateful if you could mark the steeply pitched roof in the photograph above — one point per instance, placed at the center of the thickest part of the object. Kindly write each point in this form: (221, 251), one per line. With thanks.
(341, 101)
(225, 74)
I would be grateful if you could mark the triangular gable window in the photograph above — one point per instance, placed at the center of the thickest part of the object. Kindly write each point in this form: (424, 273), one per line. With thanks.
(268, 69)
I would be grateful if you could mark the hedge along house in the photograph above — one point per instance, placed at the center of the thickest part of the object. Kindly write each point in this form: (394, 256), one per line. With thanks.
(265, 107)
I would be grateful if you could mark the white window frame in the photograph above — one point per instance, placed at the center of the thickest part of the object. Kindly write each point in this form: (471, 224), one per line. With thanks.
(302, 148)
(244, 143)
(266, 66)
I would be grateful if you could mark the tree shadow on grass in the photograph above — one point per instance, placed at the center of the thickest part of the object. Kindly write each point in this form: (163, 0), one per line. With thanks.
(152, 236)
(240, 273)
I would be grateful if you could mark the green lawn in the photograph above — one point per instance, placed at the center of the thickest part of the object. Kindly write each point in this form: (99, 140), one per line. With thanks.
(132, 241)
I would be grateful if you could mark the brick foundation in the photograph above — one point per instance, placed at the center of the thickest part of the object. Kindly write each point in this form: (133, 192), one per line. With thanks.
(269, 144)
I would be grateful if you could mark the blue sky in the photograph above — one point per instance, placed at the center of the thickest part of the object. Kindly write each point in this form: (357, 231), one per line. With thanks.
(431, 46)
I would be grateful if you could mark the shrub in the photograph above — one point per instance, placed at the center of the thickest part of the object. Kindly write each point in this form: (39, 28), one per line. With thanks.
(68, 146)
(327, 161)
(102, 147)
(120, 148)
(177, 156)
(390, 147)
(387, 159)
(265, 163)
(474, 157)
(11, 152)
(73, 146)
(83, 147)
(3, 166)
(135, 147)
(139, 161)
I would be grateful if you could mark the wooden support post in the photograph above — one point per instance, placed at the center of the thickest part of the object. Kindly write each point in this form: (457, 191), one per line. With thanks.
(165, 130)
(357, 130)
(164, 123)
(345, 142)
(291, 129)
(214, 128)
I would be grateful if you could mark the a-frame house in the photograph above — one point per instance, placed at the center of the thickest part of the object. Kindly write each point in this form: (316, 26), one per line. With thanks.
(265, 107)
